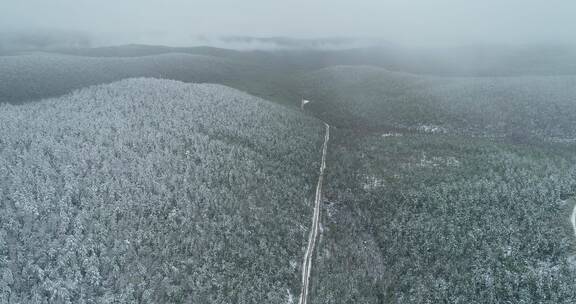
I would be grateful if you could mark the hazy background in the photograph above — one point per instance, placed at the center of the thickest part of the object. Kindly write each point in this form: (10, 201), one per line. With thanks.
(189, 22)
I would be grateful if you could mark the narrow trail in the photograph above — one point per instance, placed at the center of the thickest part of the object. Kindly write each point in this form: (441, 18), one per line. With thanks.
(307, 264)
(573, 219)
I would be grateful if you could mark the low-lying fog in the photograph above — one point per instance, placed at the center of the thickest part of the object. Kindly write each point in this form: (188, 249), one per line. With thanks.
(39, 23)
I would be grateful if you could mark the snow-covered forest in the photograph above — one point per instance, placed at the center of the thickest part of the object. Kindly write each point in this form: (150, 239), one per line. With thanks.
(442, 183)
(435, 218)
(157, 191)
(539, 107)
(287, 152)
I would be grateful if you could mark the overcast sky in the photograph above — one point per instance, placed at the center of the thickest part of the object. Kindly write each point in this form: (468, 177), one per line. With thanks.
(434, 22)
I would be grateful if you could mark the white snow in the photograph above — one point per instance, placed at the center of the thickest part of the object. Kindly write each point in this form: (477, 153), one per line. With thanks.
(304, 102)
(573, 219)
(372, 182)
(391, 134)
(290, 297)
(308, 255)
(431, 129)
(437, 161)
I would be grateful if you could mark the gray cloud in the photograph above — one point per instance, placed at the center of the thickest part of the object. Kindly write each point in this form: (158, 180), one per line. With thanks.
(419, 22)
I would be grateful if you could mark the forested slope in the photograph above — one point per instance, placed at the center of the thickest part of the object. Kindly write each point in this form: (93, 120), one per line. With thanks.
(150, 190)
(428, 218)
(445, 189)
(446, 61)
(29, 77)
(374, 98)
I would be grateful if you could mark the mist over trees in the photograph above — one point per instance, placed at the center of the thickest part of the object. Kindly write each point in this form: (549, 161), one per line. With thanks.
(450, 170)
(30, 77)
(520, 107)
(16, 41)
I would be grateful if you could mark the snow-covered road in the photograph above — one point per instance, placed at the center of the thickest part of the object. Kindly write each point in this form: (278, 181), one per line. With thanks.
(573, 219)
(307, 264)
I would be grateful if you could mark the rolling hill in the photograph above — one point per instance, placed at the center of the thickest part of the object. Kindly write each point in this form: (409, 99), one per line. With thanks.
(445, 189)
(29, 77)
(375, 98)
(150, 190)
(465, 61)
(448, 178)
(440, 218)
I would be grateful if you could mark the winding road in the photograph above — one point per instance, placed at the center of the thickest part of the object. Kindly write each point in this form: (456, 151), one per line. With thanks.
(307, 264)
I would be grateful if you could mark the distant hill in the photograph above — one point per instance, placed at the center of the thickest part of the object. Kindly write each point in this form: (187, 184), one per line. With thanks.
(375, 98)
(30, 77)
(157, 191)
(271, 74)
(138, 50)
(448, 175)
(456, 61)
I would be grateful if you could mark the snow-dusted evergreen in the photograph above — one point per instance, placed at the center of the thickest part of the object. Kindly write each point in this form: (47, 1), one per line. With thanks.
(151, 190)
